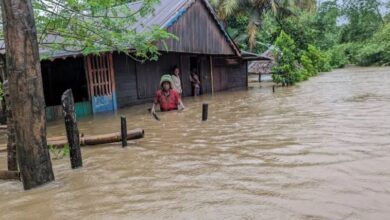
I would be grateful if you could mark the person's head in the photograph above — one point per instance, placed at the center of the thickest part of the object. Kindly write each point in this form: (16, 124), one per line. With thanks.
(176, 71)
(166, 86)
(166, 82)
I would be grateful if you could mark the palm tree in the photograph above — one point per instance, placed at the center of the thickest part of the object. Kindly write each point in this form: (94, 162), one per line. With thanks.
(256, 8)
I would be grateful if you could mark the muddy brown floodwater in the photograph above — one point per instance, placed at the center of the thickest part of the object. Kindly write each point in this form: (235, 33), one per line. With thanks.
(318, 150)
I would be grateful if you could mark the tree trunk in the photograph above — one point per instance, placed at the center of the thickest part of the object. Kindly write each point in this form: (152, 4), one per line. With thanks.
(5, 106)
(11, 146)
(3, 79)
(26, 93)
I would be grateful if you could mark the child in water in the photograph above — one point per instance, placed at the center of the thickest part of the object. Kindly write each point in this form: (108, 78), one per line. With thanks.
(194, 78)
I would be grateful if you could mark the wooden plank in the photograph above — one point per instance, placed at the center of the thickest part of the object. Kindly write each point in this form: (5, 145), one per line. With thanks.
(111, 69)
(99, 74)
(85, 61)
(93, 74)
(125, 79)
(90, 77)
(107, 76)
(212, 75)
(103, 70)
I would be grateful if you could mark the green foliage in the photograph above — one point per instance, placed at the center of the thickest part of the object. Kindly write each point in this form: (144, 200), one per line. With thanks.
(337, 56)
(344, 32)
(90, 27)
(376, 51)
(286, 70)
(308, 65)
(364, 19)
(291, 69)
(254, 12)
(320, 59)
(59, 153)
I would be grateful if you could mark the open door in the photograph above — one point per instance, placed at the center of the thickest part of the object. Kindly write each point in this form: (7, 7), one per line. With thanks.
(101, 82)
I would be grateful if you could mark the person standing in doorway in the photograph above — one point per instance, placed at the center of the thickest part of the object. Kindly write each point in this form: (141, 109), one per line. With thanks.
(176, 82)
(194, 78)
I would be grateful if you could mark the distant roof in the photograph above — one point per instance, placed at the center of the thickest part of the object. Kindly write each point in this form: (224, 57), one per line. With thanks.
(262, 65)
(165, 14)
(253, 56)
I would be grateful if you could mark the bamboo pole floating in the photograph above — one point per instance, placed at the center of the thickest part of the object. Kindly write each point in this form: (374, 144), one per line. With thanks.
(205, 111)
(9, 175)
(124, 131)
(111, 138)
(60, 142)
(72, 131)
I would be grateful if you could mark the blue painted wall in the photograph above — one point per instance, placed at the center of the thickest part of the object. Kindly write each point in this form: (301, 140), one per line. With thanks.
(104, 103)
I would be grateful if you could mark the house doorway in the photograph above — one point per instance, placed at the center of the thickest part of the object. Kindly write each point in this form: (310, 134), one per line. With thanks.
(195, 65)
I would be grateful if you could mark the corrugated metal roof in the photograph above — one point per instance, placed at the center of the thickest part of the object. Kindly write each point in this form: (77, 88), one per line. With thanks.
(165, 14)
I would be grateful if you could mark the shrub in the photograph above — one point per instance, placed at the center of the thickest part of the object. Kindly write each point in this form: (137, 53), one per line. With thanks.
(286, 70)
(337, 56)
(308, 65)
(377, 50)
(319, 59)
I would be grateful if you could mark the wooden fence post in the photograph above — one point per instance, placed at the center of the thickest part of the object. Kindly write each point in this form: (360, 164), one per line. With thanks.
(72, 130)
(205, 112)
(124, 131)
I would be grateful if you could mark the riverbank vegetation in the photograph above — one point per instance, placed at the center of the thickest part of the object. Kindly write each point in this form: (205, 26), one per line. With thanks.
(310, 36)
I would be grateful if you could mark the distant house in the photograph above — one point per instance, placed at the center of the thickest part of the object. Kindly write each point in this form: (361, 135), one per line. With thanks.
(114, 80)
(263, 66)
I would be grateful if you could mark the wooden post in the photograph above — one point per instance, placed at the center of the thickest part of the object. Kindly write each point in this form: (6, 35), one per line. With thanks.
(72, 130)
(124, 131)
(273, 88)
(212, 75)
(205, 112)
(26, 92)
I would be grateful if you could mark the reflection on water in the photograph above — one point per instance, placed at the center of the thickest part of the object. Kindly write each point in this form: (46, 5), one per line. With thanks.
(319, 150)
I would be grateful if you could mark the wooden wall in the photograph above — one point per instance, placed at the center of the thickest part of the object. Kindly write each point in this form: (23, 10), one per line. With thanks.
(185, 74)
(198, 33)
(150, 72)
(125, 79)
(137, 82)
(229, 74)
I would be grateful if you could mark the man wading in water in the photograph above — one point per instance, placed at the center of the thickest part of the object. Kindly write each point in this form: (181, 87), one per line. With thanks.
(168, 98)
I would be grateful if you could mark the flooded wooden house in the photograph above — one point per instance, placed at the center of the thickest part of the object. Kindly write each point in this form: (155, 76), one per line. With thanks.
(113, 80)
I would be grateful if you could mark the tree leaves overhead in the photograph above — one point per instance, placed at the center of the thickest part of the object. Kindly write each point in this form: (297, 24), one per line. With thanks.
(92, 26)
